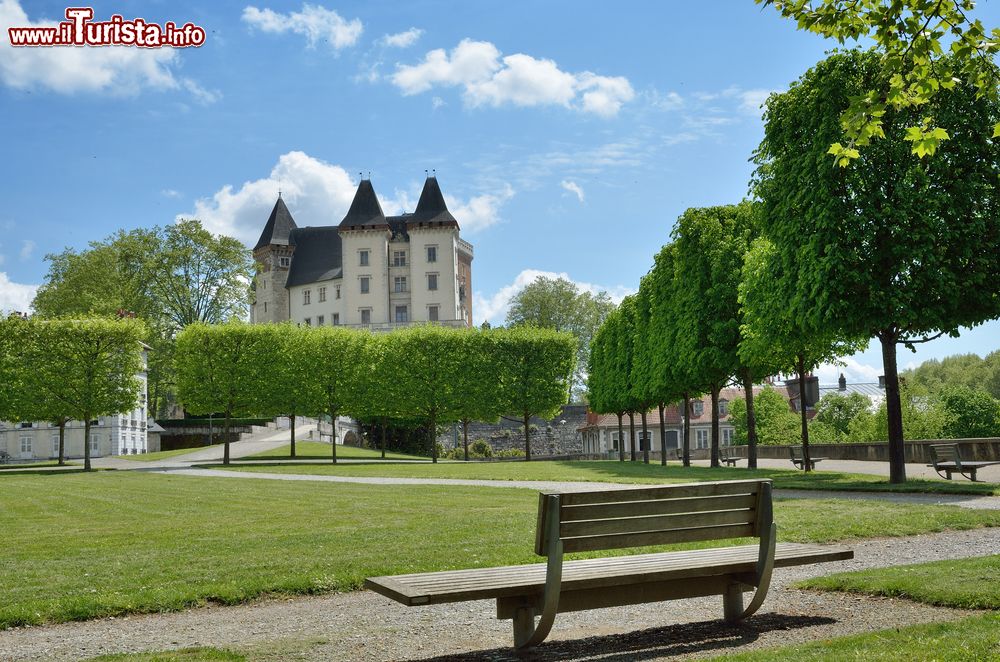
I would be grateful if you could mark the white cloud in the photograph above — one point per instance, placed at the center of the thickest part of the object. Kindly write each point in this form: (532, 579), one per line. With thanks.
(518, 79)
(402, 39)
(15, 296)
(437, 102)
(27, 248)
(752, 100)
(119, 70)
(170, 193)
(318, 193)
(573, 188)
(493, 308)
(668, 101)
(854, 371)
(315, 23)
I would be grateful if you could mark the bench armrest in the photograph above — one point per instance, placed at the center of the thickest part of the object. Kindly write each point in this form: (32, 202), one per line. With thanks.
(531, 634)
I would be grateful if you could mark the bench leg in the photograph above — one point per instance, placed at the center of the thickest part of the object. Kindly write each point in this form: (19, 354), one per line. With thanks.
(524, 625)
(732, 603)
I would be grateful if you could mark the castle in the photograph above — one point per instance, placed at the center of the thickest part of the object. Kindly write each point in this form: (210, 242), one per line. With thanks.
(371, 270)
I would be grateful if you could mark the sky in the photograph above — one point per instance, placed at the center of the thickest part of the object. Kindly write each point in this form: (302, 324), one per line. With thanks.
(567, 136)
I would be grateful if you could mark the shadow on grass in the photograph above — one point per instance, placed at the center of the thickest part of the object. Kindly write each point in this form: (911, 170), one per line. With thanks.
(650, 644)
(304, 462)
(250, 459)
(50, 472)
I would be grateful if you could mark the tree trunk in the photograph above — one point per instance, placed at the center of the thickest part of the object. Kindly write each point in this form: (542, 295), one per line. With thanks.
(663, 437)
(621, 439)
(291, 421)
(384, 424)
(686, 442)
(645, 438)
(86, 443)
(333, 433)
(434, 441)
(631, 433)
(715, 426)
(527, 439)
(806, 461)
(751, 421)
(62, 442)
(225, 439)
(465, 438)
(897, 450)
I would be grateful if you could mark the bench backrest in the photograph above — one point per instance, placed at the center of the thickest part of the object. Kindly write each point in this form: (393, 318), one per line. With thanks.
(945, 453)
(642, 516)
(795, 452)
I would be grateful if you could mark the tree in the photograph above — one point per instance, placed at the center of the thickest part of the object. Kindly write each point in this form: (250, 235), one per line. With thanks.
(776, 423)
(378, 399)
(11, 342)
(561, 305)
(837, 410)
(292, 391)
(605, 379)
(537, 369)
(925, 48)
(81, 370)
(475, 395)
(883, 248)
(336, 356)
(969, 413)
(227, 368)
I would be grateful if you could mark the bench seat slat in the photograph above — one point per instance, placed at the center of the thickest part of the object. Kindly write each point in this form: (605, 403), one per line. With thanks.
(653, 493)
(483, 583)
(626, 525)
(659, 507)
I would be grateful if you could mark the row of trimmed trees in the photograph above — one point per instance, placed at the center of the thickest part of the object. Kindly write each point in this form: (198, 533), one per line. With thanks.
(896, 247)
(63, 370)
(437, 374)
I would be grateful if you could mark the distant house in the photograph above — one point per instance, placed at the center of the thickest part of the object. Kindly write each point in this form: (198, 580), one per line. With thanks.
(120, 434)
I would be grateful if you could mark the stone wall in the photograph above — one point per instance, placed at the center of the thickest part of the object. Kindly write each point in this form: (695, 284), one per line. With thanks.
(917, 451)
(556, 436)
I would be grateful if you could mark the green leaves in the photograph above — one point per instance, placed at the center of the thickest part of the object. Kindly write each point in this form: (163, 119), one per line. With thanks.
(842, 156)
(926, 138)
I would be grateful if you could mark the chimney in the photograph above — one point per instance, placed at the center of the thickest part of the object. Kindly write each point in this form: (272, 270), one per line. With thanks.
(842, 383)
(881, 381)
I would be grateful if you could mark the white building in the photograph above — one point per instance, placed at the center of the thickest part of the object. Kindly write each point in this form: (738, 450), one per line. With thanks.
(371, 270)
(120, 434)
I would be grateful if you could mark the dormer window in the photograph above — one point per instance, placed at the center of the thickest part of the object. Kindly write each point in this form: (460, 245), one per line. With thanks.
(698, 408)
(723, 407)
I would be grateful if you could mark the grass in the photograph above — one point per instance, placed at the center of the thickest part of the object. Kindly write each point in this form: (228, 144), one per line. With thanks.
(82, 546)
(199, 654)
(315, 450)
(974, 638)
(162, 455)
(972, 583)
(629, 472)
(32, 465)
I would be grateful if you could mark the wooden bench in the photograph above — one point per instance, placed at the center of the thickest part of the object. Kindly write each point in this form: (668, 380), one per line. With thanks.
(619, 519)
(726, 457)
(796, 454)
(947, 458)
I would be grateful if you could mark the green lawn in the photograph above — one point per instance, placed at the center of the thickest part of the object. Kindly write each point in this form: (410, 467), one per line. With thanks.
(314, 450)
(629, 472)
(32, 465)
(972, 583)
(81, 546)
(161, 455)
(199, 654)
(972, 639)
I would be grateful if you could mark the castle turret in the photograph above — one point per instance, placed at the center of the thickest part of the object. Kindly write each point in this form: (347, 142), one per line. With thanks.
(273, 255)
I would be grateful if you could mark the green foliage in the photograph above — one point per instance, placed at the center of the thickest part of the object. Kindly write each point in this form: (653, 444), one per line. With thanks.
(837, 411)
(776, 422)
(924, 49)
(559, 304)
(825, 433)
(966, 370)
(924, 416)
(970, 413)
(11, 340)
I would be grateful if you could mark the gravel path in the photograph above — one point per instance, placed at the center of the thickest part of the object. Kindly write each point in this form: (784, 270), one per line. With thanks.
(366, 627)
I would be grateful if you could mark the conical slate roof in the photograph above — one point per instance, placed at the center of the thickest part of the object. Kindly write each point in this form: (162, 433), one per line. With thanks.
(431, 207)
(365, 211)
(279, 226)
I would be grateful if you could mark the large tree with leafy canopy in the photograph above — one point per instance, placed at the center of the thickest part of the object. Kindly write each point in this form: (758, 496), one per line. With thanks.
(896, 247)
(711, 243)
(560, 304)
(476, 393)
(925, 48)
(605, 378)
(341, 381)
(536, 371)
(292, 391)
(227, 368)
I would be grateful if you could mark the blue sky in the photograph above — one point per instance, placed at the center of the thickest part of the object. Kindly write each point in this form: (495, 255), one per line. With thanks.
(568, 136)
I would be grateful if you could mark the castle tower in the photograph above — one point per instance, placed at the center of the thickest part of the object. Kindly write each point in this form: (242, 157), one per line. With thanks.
(273, 254)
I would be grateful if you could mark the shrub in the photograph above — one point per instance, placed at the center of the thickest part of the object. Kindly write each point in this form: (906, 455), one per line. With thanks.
(480, 448)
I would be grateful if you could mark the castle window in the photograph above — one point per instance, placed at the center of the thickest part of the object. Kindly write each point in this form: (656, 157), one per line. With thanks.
(432, 253)
(723, 407)
(401, 314)
(399, 284)
(363, 258)
(284, 261)
(319, 320)
(432, 281)
(335, 319)
(306, 296)
(365, 284)
(336, 292)
(727, 437)
(366, 315)
(322, 294)
(399, 258)
(701, 438)
(432, 313)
